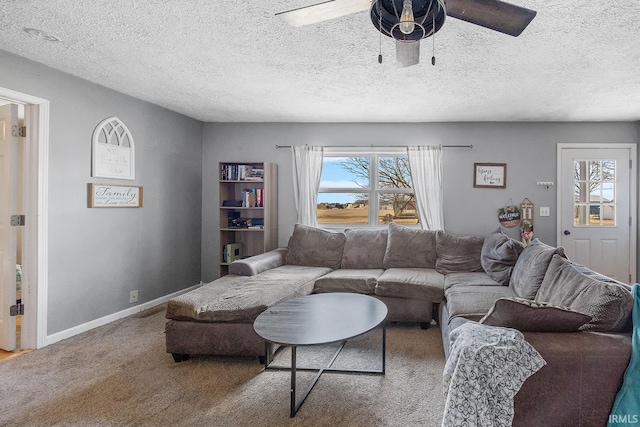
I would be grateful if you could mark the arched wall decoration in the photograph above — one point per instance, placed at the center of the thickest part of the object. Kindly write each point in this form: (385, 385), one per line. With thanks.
(114, 151)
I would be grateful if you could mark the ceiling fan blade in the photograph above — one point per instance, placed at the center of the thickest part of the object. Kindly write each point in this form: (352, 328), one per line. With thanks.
(493, 14)
(407, 54)
(323, 11)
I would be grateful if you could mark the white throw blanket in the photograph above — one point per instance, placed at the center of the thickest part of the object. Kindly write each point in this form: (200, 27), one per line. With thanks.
(487, 365)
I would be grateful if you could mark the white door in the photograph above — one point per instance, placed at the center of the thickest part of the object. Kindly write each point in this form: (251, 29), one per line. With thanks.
(8, 239)
(596, 195)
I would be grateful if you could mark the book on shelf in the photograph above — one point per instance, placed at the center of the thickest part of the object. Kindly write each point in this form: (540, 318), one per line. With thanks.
(237, 172)
(253, 197)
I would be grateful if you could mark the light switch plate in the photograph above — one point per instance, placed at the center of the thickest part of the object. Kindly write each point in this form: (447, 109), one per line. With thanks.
(544, 211)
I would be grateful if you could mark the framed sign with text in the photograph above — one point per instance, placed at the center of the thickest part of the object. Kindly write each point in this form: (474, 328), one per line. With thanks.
(115, 196)
(490, 175)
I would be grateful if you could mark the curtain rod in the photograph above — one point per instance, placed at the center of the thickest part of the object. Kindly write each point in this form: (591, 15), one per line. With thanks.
(376, 146)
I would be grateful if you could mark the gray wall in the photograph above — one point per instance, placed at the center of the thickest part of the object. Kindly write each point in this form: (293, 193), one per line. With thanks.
(96, 256)
(529, 149)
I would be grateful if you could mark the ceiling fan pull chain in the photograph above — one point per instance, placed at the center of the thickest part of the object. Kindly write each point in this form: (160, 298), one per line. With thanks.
(433, 36)
(380, 26)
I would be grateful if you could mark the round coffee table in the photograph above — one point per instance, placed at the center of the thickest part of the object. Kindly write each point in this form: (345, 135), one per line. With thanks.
(320, 319)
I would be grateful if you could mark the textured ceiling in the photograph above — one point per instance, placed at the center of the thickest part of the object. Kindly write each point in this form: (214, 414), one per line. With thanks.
(234, 61)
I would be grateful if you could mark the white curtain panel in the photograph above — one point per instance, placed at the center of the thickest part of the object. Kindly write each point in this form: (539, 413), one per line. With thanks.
(307, 167)
(425, 163)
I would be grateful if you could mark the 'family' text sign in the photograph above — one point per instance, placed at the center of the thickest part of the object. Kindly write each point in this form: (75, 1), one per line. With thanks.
(115, 196)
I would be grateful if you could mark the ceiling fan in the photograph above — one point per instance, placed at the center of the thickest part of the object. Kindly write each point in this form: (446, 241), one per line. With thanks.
(409, 21)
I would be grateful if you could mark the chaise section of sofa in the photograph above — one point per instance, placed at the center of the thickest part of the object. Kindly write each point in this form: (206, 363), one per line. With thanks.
(543, 296)
(217, 318)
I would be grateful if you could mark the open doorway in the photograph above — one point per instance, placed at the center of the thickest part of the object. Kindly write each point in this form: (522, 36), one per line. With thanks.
(29, 263)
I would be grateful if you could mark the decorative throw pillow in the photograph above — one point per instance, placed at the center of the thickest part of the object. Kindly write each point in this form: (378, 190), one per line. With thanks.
(458, 253)
(534, 316)
(607, 301)
(409, 247)
(530, 268)
(364, 248)
(315, 247)
(499, 255)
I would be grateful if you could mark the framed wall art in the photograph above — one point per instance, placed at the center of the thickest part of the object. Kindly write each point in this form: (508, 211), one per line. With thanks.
(115, 196)
(113, 151)
(490, 175)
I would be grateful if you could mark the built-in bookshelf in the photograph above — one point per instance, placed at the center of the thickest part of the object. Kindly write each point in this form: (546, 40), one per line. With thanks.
(248, 210)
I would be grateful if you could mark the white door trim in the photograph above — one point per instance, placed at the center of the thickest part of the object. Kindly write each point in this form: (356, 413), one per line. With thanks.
(633, 201)
(35, 244)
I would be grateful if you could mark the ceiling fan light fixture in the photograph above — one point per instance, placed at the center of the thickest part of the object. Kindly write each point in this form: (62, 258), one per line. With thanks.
(407, 23)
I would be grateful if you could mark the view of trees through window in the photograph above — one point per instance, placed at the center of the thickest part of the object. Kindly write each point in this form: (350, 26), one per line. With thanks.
(366, 189)
(594, 192)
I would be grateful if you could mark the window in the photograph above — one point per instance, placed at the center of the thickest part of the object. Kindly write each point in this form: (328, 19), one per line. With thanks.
(366, 189)
(594, 193)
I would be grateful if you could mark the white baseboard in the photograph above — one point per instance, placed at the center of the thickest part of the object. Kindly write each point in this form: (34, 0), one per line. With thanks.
(68, 333)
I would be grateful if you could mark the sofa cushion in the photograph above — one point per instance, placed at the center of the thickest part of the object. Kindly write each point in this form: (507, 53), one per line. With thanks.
(364, 248)
(533, 316)
(607, 301)
(531, 267)
(473, 302)
(315, 247)
(410, 247)
(242, 298)
(361, 281)
(468, 279)
(499, 255)
(417, 283)
(458, 253)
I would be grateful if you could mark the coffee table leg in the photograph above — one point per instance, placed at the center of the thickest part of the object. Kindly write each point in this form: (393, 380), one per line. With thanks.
(293, 382)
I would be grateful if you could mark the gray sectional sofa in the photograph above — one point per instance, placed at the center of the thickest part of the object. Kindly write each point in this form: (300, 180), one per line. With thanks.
(578, 320)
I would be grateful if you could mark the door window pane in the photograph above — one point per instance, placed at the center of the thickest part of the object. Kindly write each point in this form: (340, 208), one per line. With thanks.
(594, 193)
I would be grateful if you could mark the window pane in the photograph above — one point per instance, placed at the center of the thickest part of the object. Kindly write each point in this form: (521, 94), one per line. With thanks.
(393, 172)
(345, 172)
(343, 208)
(399, 208)
(594, 193)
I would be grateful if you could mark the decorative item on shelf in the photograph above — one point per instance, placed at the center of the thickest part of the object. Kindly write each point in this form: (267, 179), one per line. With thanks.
(509, 215)
(490, 175)
(232, 203)
(231, 252)
(526, 226)
(232, 217)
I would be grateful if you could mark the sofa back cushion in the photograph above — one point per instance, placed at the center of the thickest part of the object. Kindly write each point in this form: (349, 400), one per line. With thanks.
(364, 248)
(499, 255)
(315, 247)
(607, 301)
(530, 268)
(458, 253)
(409, 247)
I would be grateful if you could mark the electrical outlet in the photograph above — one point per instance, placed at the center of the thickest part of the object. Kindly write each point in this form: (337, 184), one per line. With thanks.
(133, 297)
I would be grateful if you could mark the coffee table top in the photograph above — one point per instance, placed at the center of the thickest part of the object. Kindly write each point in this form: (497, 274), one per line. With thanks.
(320, 318)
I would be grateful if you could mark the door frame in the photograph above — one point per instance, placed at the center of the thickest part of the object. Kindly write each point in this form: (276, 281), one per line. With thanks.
(35, 234)
(633, 197)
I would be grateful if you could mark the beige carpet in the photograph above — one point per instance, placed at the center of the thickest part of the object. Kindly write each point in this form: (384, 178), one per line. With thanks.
(120, 375)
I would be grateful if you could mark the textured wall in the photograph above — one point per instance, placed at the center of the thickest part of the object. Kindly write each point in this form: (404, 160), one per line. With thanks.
(529, 149)
(96, 256)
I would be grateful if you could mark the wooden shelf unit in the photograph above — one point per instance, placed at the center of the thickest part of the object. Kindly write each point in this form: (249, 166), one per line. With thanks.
(254, 240)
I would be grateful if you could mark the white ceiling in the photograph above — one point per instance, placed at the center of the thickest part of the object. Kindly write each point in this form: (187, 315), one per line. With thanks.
(234, 61)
